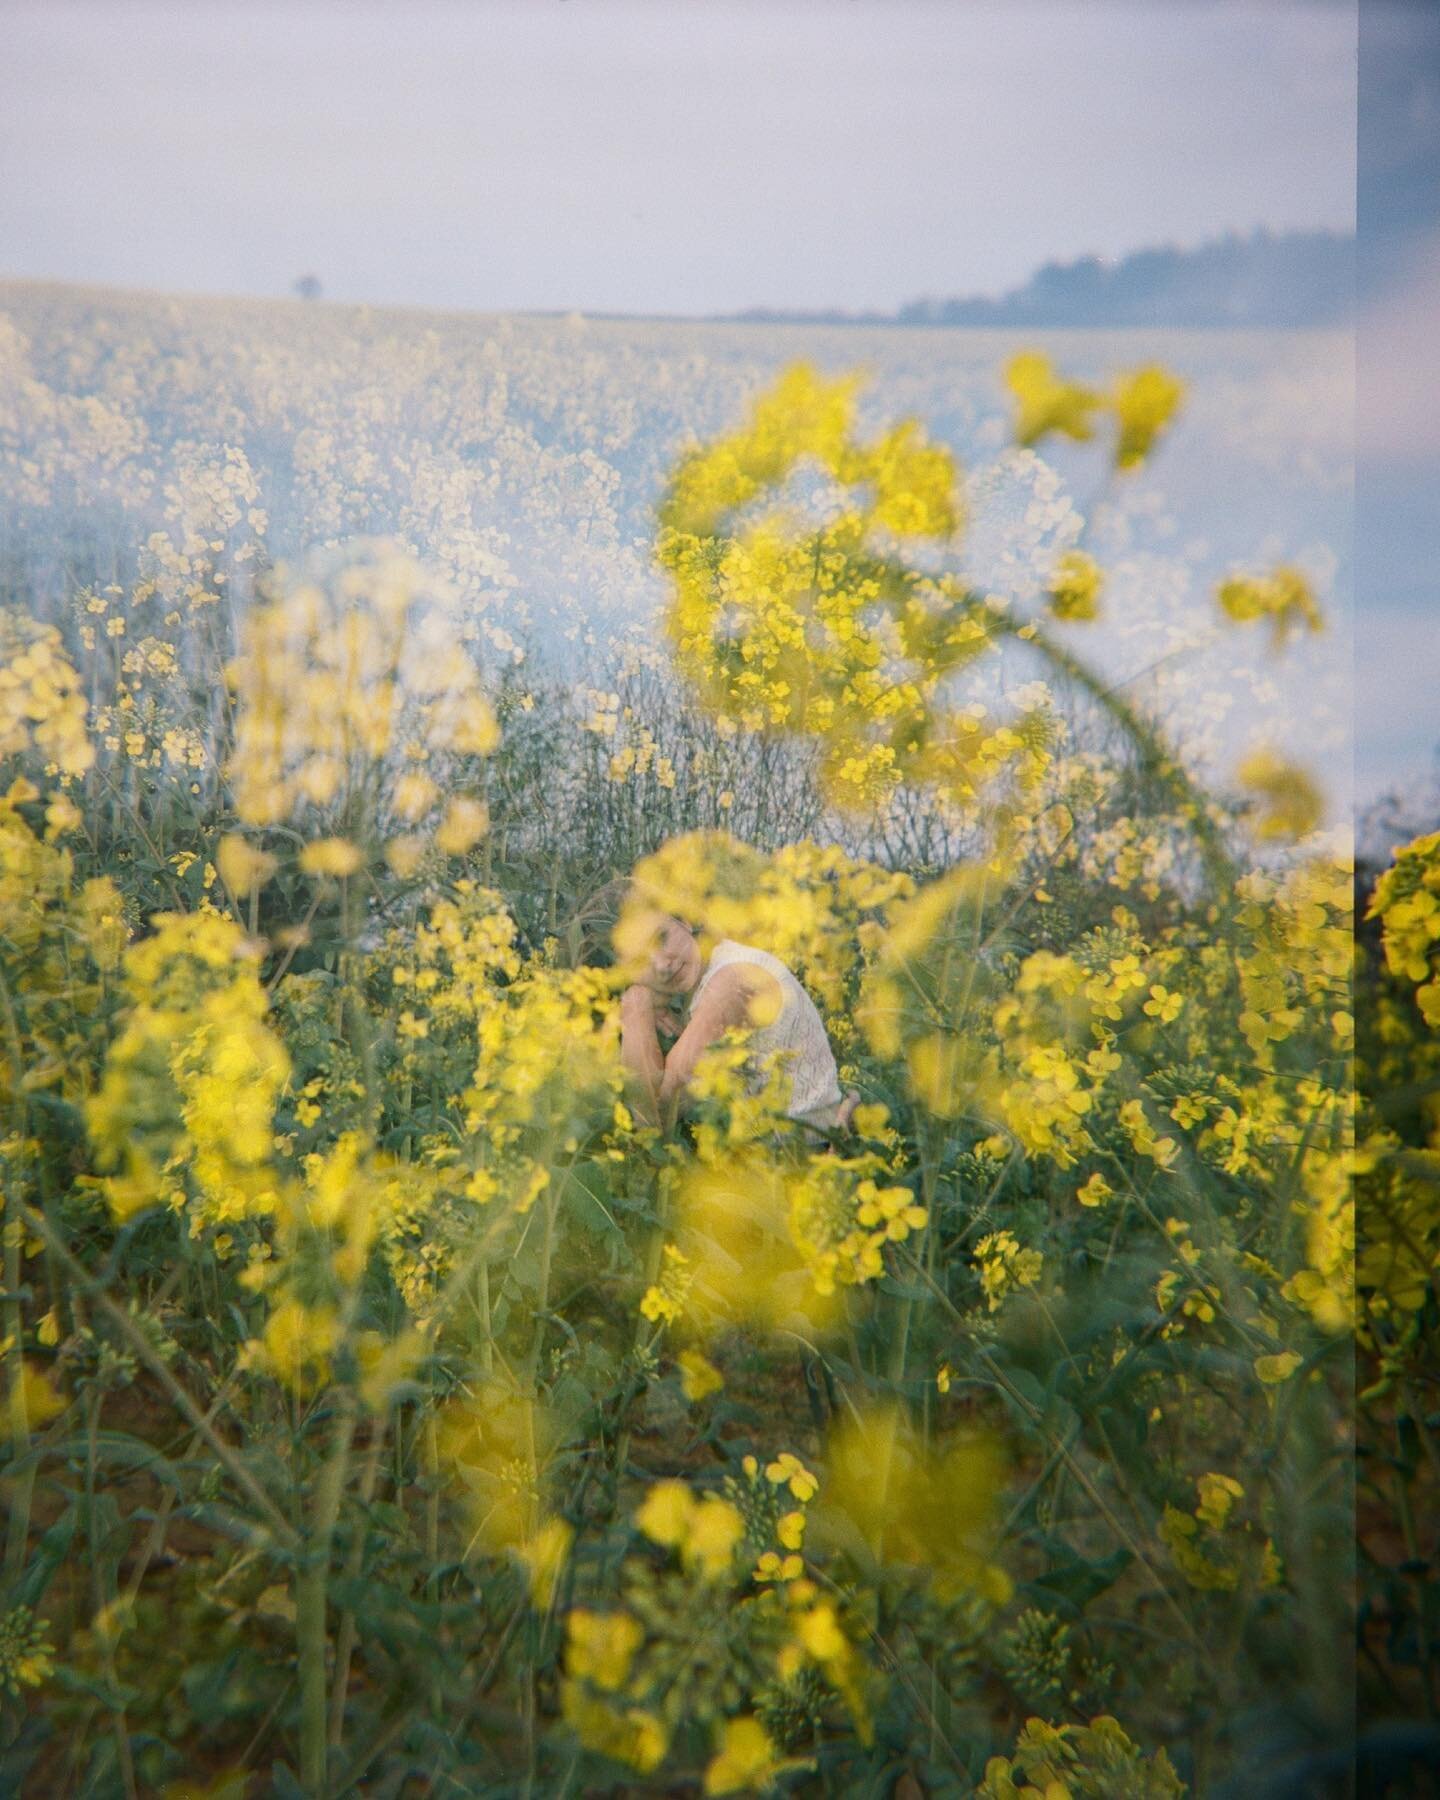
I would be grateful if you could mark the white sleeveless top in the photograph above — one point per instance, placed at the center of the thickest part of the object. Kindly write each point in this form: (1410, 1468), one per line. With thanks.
(797, 1029)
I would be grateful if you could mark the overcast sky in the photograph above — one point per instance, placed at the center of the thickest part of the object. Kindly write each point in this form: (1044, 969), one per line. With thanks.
(655, 155)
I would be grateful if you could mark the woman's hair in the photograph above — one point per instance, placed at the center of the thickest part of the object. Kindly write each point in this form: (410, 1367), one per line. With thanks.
(589, 934)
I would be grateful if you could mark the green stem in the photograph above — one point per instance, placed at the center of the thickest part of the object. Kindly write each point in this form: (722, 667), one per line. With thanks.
(348, 1635)
(106, 1623)
(312, 1579)
(22, 1492)
(1156, 757)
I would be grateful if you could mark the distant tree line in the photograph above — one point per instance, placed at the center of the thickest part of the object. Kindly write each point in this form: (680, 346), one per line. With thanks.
(1292, 278)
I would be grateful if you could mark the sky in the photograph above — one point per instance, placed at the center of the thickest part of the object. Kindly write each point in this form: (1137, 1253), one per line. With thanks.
(656, 156)
(700, 156)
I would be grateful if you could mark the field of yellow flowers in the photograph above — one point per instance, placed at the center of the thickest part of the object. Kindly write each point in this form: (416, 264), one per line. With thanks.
(391, 1410)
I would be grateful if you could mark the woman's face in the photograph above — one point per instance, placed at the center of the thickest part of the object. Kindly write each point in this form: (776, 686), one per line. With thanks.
(675, 961)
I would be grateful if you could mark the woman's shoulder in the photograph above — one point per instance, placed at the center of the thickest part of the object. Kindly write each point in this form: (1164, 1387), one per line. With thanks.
(754, 979)
(730, 954)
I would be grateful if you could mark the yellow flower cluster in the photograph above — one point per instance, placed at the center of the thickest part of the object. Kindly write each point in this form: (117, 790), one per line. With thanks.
(1162, 1151)
(1297, 964)
(357, 697)
(841, 1225)
(771, 1241)
(1290, 805)
(973, 1048)
(706, 1531)
(499, 1443)
(1284, 597)
(785, 1475)
(664, 1301)
(1092, 1761)
(452, 965)
(325, 1228)
(1075, 584)
(928, 1507)
(746, 1760)
(190, 1083)
(1005, 1266)
(42, 708)
(817, 629)
(547, 1076)
(1406, 900)
(27, 1657)
(1143, 402)
(1205, 1555)
(58, 943)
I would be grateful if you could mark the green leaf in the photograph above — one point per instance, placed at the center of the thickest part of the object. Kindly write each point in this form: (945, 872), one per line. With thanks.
(51, 1551)
(119, 1450)
(1076, 1581)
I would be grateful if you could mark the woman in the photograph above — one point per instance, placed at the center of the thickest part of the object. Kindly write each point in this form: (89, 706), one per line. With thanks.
(737, 985)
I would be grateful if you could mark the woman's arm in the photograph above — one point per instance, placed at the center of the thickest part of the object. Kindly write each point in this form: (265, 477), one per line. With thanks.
(739, 994)
(640, 1050)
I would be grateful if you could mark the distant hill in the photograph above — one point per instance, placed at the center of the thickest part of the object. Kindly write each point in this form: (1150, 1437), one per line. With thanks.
(1292, 278)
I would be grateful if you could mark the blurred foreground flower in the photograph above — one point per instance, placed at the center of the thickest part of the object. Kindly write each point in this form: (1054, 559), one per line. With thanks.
(1143, 402)
(1284, 597)
(811, 622)
(1289, 803)
(892, 1500)
(358, 701)
(42, 707)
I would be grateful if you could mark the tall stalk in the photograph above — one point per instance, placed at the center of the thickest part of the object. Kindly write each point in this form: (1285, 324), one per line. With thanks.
(312, 1580)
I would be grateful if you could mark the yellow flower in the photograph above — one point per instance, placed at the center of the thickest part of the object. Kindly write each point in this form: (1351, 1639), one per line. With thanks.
(1145, 401)
(331, 856)
(1075, 587)
(243, 868)
(790, 1530)
(745, 1761)
(1284, 596)
(32, 1402)
(1004, 1265)
(774, 1567)
(466, 821)
(635, 1737)
(789, 1471)
(704, 1531)
(405, 853)
(1218, 1493)
(1281, 1367)
(1046, 402)
(544, 1556)
(415, 793)
(820, 1633)
(1163, 1004)
(600, 1647)
(1096, 1191)
(665, 1513)
(666, 1300)
(1291, 805)
(699, 1377)
(297, 1343)
(715, 1530)
(61, 815)
(943, 1378)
